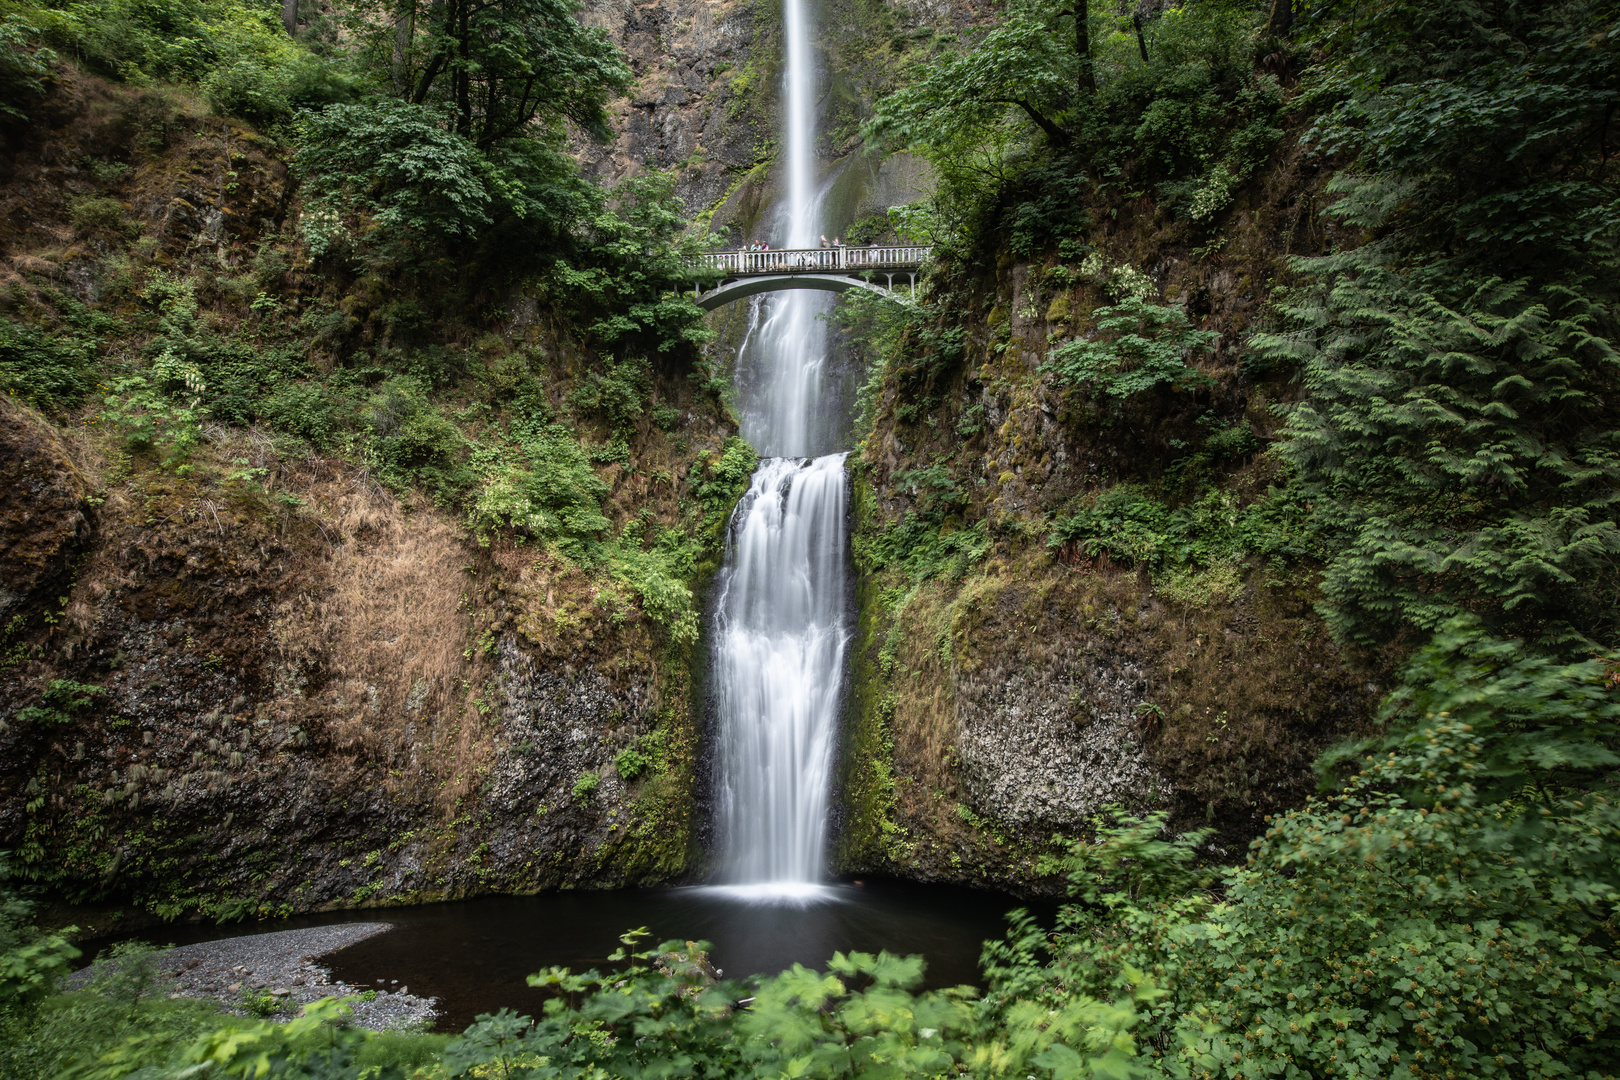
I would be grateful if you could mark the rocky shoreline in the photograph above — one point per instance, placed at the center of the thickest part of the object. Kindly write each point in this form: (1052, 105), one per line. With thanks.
(279, 973)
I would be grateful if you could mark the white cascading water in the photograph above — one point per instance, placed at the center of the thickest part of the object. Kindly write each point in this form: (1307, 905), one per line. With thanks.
(781, 620)
(782, 366)
(780, 635)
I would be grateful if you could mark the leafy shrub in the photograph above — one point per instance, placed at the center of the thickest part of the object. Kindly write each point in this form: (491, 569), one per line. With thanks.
(24, 67)
(724, 479)
(158, 412)
(659, 575)
(862, 1019)
(1458, 441)
(618, 394)
(635, 264)
(270, 91)
(47, 372)
(630, 763)
(585, 785)
(1214, 532)
(1476, 945)
(62, 700)
(1426, 912)
(97, 212)
(173, 40)
(304, 409)
(31, 962)
(1141, 346)
(411, 442)
(394, 164)
(557, 498)
(1123, 522)
(251, 91)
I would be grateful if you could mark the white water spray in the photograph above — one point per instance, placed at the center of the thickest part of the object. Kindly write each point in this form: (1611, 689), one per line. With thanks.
(781, 620)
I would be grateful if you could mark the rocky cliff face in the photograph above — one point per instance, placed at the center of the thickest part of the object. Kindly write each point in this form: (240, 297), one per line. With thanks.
(279, 707)
(261, 681)
(1014, 690)
(708, 75)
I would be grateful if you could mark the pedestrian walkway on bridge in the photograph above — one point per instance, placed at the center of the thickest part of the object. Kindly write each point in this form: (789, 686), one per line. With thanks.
(829, 269)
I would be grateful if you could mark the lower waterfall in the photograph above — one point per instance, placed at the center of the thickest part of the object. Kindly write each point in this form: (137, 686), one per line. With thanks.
(780, 632)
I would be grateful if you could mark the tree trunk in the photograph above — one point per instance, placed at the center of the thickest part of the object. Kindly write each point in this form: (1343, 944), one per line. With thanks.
(1082, 47)
(1282, 18)
(464, 76)
(1141, 42)
(289, 17)
(404, 31)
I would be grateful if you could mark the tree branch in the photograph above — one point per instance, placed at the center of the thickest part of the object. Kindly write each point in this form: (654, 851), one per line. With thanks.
(1053, 132)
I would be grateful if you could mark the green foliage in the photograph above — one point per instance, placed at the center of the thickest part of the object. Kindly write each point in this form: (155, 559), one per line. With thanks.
(637, 247)
(157, 412)
(412, 442)
(1459, 443)
(1140, 346)
(725, 478)
(1476, 937)
(93, 212)
(923, 546)
(630, 763)
(659, 577)
(270, 93)
(664, 1011)
(395, 164)
(1458, 439)
(305, 409)
(1127, 524)
(49, 372)
(62, 700)
(31, 962)
(24, 67)
(585, 785)
(1025, 115)
(1550, 728)
(555, 497)
(494, 71)
(1435, 911)
(618, 394)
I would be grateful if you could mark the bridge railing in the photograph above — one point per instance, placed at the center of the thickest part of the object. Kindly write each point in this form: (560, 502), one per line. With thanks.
(814, 260)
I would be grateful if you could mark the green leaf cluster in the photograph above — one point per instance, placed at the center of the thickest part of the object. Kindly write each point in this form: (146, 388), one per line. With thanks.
(1138, 346)
(48, 371)
(1128, 525)
(61, 702)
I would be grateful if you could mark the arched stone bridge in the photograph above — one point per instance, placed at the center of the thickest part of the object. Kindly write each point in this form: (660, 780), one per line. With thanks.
(835, 269)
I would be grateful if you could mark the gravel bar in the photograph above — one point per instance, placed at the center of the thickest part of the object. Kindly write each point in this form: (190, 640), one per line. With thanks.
(285, 965)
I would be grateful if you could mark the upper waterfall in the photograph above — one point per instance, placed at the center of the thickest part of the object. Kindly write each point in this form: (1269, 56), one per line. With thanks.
(782, 364)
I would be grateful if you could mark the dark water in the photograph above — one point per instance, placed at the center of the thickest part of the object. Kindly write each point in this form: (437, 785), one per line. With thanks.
(475, 954)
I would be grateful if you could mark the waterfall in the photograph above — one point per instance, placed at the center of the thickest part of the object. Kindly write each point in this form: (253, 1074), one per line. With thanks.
(781, 625)
(781, 370)
(780, 635)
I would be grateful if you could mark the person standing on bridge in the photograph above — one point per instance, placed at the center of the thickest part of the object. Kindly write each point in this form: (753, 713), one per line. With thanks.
(824, 240)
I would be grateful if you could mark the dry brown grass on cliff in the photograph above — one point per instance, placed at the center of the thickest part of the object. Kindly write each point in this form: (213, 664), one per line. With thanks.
(390, 630)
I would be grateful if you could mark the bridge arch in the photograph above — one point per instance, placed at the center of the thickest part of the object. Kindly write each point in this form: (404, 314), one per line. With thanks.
(740, 288)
